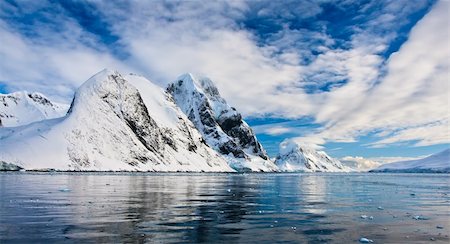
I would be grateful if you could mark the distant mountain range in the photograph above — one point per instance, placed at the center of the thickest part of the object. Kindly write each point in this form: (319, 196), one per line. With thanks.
(436, 163)
(127, 123)
(115, 122)
(21, 108)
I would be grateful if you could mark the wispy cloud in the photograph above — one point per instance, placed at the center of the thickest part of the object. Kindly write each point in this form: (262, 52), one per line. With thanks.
(43, 56)
(277, 130)
(411, 100)
(329, 60)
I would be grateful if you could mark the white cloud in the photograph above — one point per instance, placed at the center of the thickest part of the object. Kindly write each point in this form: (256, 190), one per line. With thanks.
(425, 135)
(387, 160)
(247, 74)
(366, 164)
(360, 163)
(312, 142)
(409, 103)
(403, 99)
(55, 70)
(276, 130)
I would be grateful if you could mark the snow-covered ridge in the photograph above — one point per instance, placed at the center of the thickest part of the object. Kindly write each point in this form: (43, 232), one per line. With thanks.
(127, 123)
(436, 163)
(115, 123)
(221, 125)
(296, 158)
(21, 108)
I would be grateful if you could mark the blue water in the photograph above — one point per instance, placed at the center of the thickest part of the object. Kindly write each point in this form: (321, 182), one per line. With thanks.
(224, 208)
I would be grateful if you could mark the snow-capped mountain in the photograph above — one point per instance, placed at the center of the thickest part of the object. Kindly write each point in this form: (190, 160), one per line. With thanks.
(220, 124)
(436, 163)
(296, 158)
(115, 122)
(21, 108)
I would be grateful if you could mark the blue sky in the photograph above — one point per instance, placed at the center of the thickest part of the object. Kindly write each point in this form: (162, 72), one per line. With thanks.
(356, 78)
(339, 149)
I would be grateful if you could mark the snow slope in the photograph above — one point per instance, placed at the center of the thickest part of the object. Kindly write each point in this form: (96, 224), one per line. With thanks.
(21, 108)
(115, 123)
(296, 158)
(220, 124)
(439, 163)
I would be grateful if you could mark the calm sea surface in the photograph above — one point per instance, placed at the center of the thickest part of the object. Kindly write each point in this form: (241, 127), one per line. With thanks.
(224, 208)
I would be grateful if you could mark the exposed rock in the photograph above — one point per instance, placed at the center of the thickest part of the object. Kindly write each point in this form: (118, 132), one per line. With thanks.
(115, 122)
(22, 108)
(4, 166)
(220, 124)
(296, 158)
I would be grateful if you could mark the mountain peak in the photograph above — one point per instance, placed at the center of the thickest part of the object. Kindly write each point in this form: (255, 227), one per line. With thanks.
(186, 76)
(201, 84)
(101, 76)
(21, 108)
(289, 146)
(115, 123)
(105, 81)
(220, 124)
(294, 156)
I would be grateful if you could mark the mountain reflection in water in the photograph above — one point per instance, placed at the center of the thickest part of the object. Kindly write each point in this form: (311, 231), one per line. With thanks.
(305, 208)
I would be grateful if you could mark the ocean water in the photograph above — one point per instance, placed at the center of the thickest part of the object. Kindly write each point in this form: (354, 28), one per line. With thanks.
(224, 208)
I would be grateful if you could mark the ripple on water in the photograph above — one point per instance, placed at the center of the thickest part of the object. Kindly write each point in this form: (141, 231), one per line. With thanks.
(315, 208)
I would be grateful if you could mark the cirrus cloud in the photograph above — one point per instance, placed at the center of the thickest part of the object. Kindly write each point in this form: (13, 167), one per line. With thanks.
(354, 67)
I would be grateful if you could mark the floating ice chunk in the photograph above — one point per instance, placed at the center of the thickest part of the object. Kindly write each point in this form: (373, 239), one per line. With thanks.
(440, 227)
(229, 190)
(64, 190)
(371, 217)
(418, 217)
(363, 216)
(380, 208)
(365, 240)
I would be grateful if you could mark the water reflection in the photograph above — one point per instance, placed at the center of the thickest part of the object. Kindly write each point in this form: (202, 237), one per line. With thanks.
(309, 208)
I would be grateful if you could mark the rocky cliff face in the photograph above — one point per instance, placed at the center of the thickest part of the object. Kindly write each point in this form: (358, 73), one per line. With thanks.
(21, 108)
(220, 124)
(115, 122)
(295, 158)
